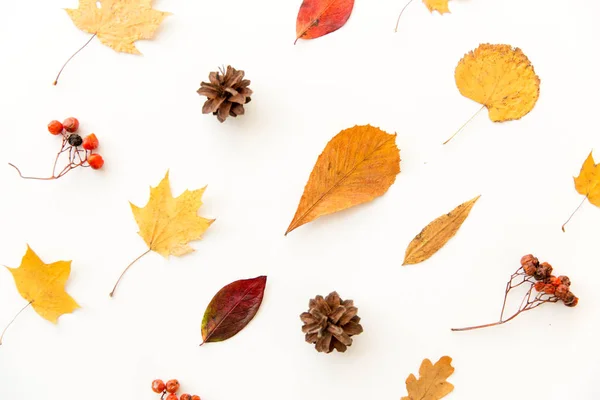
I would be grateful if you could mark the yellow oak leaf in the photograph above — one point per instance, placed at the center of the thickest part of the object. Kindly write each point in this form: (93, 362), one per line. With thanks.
(500, 78)
(432, 384)
(43, 286)
(118, 23)
(440, 6)
(168, 224)
(587, 184)
(357, 165)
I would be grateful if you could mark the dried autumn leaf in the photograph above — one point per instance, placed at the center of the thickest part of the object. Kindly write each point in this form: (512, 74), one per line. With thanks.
(43, 286)
(118, 23)
(587, 184)
(357, 165)
(317, 18)
(232, 308)
(500, 78)
(440, 6)
(168, 224)
(432, 384)
(435, 235)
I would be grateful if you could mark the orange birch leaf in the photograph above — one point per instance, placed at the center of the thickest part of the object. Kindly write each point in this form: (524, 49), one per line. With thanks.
(317, 18)
(357, 165)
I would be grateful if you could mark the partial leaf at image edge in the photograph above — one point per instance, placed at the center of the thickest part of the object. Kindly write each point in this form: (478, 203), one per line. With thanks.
(232, 308)
(356, 166)
(587, 184)
(318, 18)
(432, 383)
(437, 233)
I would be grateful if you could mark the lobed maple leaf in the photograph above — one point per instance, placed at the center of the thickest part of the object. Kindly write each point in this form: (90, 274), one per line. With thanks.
(118, 23)
(168, 224)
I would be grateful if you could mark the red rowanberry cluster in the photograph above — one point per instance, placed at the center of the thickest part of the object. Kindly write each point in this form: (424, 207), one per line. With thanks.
(80, 151)
(171, 387)
(558, 286)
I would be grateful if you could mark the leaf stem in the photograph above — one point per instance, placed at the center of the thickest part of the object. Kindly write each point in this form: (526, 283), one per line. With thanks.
(111, 294)
(13, 320)
(70, 58)
(401, 12)
(465, 124)
(577, 209)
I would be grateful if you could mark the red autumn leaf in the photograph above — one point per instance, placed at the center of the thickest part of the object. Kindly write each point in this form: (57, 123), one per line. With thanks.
(317, 18)
(232, 308)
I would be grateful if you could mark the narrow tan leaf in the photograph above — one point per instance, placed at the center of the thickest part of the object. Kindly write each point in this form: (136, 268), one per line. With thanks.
(435, 235)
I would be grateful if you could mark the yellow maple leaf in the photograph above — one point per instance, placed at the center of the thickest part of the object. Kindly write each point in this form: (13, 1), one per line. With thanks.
(357, 165)
(432, 384)
(440, 6)
(168, 224)
(118, 23)
(43, 285)
(587, 184)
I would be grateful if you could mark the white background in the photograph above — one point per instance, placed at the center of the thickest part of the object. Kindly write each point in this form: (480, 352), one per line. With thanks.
(148, 119)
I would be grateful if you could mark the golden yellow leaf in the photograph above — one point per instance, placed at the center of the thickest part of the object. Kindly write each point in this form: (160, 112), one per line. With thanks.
(440, 6)
(168, 224)
(432, 384)
(357, 165)
(43, 285)
(587, 184)
(118, 23)
(588, 181)
(435, 235)
(500, 78)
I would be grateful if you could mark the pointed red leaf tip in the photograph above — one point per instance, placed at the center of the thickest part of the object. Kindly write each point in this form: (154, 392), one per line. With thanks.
(232, 308)
(317, 18)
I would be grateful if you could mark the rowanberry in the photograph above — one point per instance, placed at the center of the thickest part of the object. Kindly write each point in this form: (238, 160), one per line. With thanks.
(539, 286)
(565, 280)
(543, 271)
(549, 288)
(195, 397)
(555, 280)
(561, 291)
(71, 124)
(572, 302)
(529, 268)
(158, 386)
(96, 162)
(172, 396)
(172, 386)
(75, 140)
(90, 142)
(185, 396)
(528, 258)
(55, 127)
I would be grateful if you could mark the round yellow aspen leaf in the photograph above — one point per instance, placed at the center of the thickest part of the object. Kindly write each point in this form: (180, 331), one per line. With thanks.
(500, 78)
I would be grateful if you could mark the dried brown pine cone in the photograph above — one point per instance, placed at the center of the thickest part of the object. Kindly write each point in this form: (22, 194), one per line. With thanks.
(330, 322)
(227, 93)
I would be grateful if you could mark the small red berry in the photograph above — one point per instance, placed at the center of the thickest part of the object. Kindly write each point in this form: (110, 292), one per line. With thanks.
(194, 397)
(555, 280)
(528, 258)
(185, 396)
(565, 280)
(529, 268)
(158, 386)
(172, 396)
(55, 127)
(90, 142)
(561, 291)
(71, 124)
(96, 162)
(539, 286)
(172, 386)
(549, 288)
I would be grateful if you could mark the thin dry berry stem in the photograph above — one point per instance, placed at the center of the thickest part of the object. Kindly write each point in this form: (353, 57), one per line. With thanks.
(111, 294)
(70, 58)
(577, 209)
(401, 12)
(13, 320)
